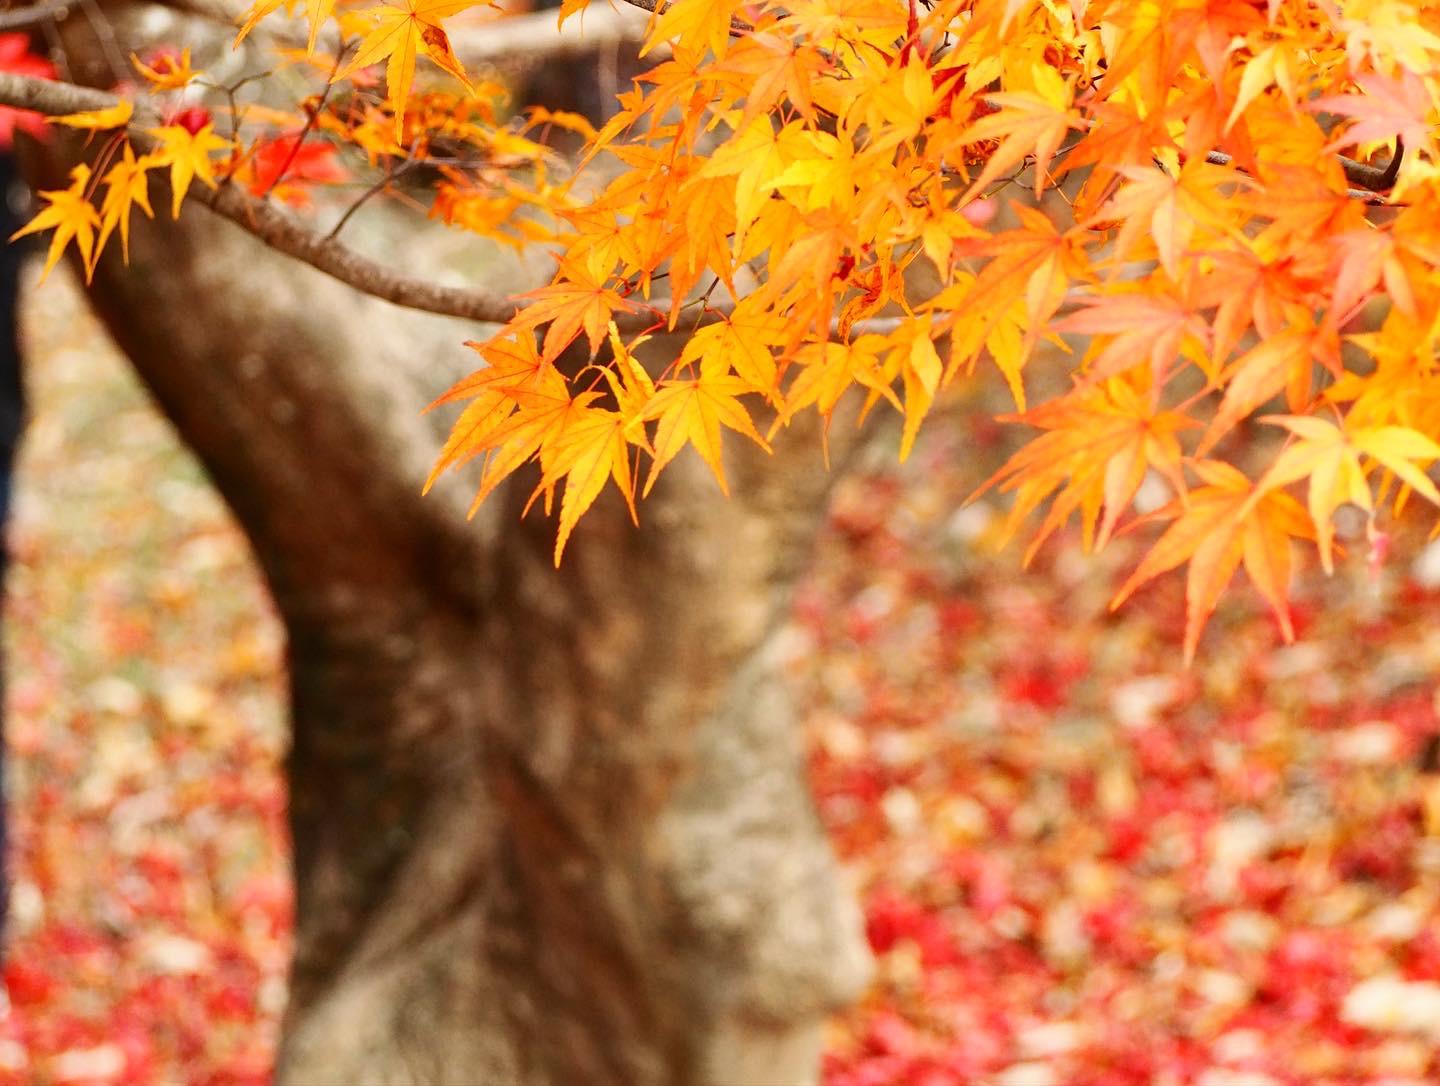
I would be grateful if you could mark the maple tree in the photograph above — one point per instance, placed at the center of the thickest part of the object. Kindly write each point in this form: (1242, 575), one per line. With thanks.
(1220, 212)
(806, 193)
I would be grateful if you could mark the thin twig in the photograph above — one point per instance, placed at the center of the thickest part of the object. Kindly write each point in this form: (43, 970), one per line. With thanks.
(1392, 168)
(374, 190)
(313, 119)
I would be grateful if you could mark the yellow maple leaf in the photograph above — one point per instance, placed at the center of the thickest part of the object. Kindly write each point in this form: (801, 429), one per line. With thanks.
(126, 184)
(591, 449)
(696, 411)
(168, 72)
(921, 369)
(578, 300)
(541, 413)
(399, 33)
(1028, 123)
(70, 215)
(1329, 456)
(742, 343)
(1098, 447)
(188, 156)
(630, 383)
(755, 155)
(116, 116)
(316, 12)
(698, 24)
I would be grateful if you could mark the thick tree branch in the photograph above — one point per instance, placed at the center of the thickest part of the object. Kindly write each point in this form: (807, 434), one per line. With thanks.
(274, 227)
(1368, 180)
(514, 41)
(33, 15)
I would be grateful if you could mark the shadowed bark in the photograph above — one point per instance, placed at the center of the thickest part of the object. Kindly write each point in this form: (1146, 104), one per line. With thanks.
(550, 826)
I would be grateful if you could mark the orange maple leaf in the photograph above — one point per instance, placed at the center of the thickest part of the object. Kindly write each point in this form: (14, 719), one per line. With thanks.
(1217, 527)
(401, 31)
(697, 411)
(577, 301)
(1093, 458)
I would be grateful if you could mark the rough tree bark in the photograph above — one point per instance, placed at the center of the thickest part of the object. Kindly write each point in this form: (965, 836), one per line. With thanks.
(550, 827)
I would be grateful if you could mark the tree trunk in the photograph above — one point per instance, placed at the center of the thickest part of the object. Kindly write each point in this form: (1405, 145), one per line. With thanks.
(550, 826)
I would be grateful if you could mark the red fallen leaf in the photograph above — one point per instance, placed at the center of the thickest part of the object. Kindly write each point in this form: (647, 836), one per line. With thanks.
(1422, 956)
(1129, 837)
(889, 1033)
(1265, 885)
(28, 984)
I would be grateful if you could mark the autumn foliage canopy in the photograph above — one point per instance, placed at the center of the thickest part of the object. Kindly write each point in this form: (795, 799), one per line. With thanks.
(1225, 212)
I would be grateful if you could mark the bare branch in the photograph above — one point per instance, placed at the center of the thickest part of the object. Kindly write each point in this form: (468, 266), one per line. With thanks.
(538, 35)
(514, 41)
(33, 15)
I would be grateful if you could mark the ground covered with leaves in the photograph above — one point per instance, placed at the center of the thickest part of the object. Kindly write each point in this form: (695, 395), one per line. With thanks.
(1081, 864)
(150, 912)
(1084, 866)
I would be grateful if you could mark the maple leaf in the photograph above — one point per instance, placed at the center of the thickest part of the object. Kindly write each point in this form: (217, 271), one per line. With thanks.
(1217, 527)
(188, 156)
(696, 411)
(781, 69)
(1093, 457)
(591, 449)
(127, 184)
(578, 300)
(920, 369)
(166, 70)
(744, 343)
(757, 156)
(631, 385)
(542, 410)
(1329, 456)
(116, 116)
(1168, 209)
(1256, 376)
(1031, 268)
(316, 12)
(71, 216)
(1364, 260)
(1270, 67)
(1142, 327)
(401, 32)
(1028, 124)
(512, 365)
(285, 167)
(829, 370)
(696, 24)
(1386, 107)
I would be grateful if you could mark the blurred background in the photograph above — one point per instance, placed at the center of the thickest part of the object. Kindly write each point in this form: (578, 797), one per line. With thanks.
(1081, 864)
